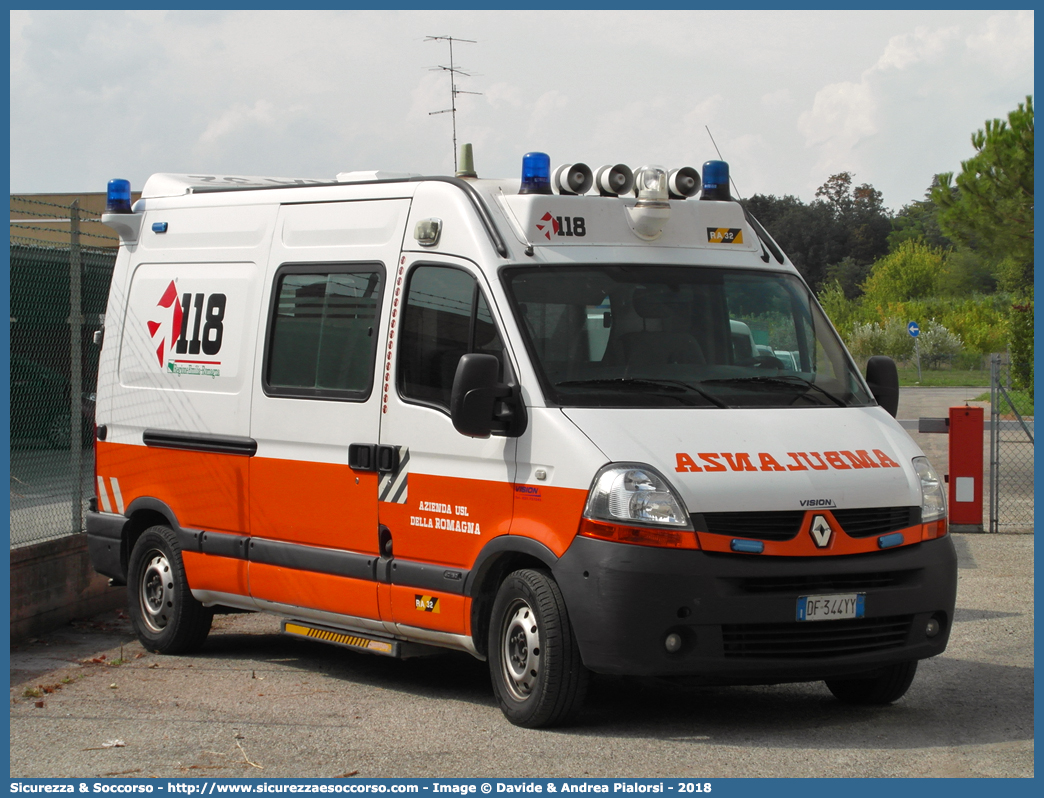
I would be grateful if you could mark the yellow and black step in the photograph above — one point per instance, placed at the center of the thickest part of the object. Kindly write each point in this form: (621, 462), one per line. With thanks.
(353, 640)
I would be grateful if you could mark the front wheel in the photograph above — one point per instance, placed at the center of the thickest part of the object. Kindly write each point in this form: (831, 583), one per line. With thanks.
(883, 687)
(534, 662)
(166, 618)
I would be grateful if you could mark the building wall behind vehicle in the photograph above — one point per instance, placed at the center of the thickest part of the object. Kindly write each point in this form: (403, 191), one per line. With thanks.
(52, 583)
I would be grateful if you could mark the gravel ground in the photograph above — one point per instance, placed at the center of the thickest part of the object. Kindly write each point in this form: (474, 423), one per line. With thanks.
(255, 703)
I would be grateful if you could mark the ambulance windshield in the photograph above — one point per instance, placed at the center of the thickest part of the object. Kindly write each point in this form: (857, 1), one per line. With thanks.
(669, 336)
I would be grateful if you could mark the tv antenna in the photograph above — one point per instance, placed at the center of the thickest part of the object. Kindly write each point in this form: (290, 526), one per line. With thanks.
(454, 91)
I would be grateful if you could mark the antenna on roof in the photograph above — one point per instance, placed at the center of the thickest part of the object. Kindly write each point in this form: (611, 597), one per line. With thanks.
(734, 186)
(454, 91)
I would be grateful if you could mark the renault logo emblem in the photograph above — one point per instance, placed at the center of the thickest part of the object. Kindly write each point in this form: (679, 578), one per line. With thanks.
(820, 531)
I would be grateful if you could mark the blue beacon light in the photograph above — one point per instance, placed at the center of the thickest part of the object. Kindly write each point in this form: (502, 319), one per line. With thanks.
(118, 197)
(716, 181)
(536, 173)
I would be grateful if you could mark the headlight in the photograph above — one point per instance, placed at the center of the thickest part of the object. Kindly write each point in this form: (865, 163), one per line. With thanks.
(933, 496)
(632, 493)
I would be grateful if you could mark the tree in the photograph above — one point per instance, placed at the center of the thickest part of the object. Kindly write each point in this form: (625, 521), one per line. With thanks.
(807, 233)
(844, 222)
(965, 273)
(1020, 340)
(911, 272)
(919, 221)
(848, 274)
(990, 204)
(864, 223)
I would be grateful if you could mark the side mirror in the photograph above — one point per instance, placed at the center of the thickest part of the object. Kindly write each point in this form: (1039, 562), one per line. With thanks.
(474, 395)
(883, 378)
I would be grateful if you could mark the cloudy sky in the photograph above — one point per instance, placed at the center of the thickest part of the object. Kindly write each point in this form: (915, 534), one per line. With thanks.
(790, 97)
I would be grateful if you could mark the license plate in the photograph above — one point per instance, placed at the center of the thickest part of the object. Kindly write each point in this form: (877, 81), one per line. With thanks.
(831, 608)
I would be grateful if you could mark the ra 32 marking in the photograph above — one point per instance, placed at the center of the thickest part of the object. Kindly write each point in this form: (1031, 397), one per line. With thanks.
(427, 604)
(724, 235)
(562, 226)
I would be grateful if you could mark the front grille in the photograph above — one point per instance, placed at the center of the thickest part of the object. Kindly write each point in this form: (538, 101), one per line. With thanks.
(771, 525)
(814, 639)
(865, 522)
(803, 584)
(861, 522)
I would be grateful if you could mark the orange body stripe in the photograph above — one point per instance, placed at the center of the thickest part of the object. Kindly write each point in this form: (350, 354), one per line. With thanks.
(551, 517)
(316, 504)
(449, 618)
(317, 591)
(205, 491)
(222, 574)
(447, 520)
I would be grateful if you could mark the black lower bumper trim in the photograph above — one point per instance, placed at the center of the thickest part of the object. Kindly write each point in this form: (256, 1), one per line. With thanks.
(735, 615)
(104, 539)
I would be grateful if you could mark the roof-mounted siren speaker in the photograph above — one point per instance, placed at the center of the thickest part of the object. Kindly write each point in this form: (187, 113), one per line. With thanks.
(716, 181)
(572, 178)
(612, 181)
(684, 182)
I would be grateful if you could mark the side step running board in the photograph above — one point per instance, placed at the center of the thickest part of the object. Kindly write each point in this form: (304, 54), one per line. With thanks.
(359, 641)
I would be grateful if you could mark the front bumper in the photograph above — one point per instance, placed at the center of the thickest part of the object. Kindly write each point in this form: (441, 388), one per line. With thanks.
(736, 613)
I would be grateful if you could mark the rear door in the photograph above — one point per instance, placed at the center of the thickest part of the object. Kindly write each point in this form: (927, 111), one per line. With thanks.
(313, 517)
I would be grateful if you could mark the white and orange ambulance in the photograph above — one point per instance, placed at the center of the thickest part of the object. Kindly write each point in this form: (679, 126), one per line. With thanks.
(578, 422)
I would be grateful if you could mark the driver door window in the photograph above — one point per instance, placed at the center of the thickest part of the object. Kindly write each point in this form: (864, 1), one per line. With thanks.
(445, 316)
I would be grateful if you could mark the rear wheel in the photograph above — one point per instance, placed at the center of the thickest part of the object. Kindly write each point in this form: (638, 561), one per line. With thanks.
(166, 618)
(534, 662)
(883, 687)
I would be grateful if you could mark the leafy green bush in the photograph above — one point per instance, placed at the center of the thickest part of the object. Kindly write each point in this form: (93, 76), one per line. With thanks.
(911, 271)
(1020, 336)
(843, 312)
(937, 345)
(890, 338)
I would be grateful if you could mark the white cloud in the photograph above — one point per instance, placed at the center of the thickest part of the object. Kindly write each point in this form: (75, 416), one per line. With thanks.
(923, 45)
(150, 17)
(911, 109)
(234, 119)
(504, 94)
(1006, 43)
(20, 20)
(310, 93)
(705, 113)
(547, 108)
(430, 94)
(777, 100)
(841, 116)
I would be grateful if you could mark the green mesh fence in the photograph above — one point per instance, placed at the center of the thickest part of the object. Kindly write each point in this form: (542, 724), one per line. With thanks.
(52, 422)
(1011, 451)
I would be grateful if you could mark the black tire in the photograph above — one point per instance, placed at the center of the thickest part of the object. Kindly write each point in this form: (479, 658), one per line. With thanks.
(166, 618)
(883, 687)
(538, 676)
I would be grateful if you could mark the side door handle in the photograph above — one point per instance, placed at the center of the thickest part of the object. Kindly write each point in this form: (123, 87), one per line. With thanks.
(373, 457)
(362, 456)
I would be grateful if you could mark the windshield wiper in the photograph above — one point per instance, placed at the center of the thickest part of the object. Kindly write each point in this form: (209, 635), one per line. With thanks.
(636, 382)
(784, 379)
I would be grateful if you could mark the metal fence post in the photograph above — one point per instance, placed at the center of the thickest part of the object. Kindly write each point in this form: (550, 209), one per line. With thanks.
(994, 443)
(75, 368)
